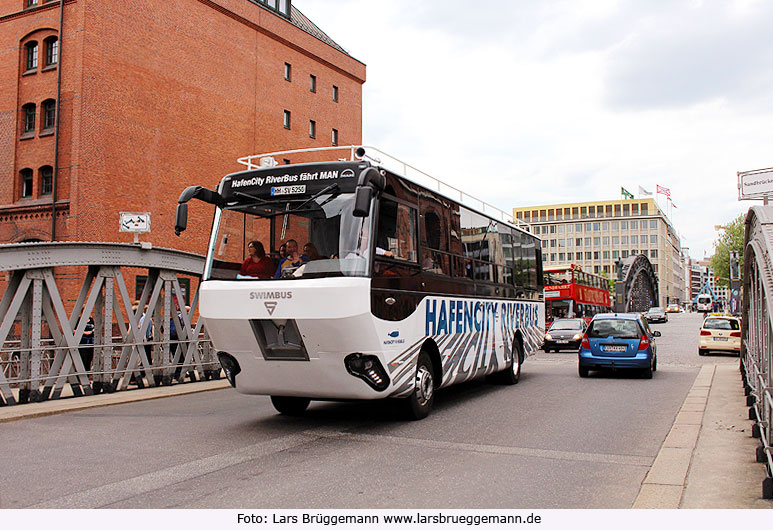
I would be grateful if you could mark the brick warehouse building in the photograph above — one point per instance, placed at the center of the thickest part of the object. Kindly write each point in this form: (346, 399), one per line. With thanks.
(154, 96)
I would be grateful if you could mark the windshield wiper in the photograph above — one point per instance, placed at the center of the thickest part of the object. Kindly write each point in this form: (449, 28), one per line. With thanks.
(315, 196)
(258, 200)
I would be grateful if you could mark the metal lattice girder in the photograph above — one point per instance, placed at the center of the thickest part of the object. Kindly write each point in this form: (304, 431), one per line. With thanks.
(638, 284)
(32, 304)
(22, 256)
(757, 322)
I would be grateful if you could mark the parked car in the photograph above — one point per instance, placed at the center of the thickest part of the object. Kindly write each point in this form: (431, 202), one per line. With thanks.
(619, 341)
(656, 314)
(673, 308)
(565, 333)
(720, 333)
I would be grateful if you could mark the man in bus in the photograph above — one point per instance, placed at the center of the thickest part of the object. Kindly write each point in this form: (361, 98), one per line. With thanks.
(293, 259)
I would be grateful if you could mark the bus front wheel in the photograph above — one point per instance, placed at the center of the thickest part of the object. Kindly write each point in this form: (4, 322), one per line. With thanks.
(419, 404)
(290, 406)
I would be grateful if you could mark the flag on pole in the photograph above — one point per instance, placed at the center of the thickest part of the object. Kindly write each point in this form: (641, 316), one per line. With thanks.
(625, 193)
(664, 191)
(643, 192)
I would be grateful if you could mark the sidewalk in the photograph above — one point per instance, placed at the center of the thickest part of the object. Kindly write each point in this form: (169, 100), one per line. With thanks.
(57, 406)
(708, 458)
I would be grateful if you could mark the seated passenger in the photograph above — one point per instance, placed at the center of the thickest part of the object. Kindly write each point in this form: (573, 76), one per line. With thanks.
(293, 258)
(310, 251)
(257, 265)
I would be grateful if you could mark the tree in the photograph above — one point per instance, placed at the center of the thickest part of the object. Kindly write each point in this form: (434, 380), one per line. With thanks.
(731, 238)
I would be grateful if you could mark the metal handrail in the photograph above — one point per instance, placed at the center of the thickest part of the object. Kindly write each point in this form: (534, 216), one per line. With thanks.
(249, 161)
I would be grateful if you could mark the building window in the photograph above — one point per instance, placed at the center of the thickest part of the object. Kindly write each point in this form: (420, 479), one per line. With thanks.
(624, 240)
(52, 51)
(313, 83)
(26, 182)
(30, 3)
(653, 254)
(281, 7)
(653, 223)
(312, 129)
(605, 254)
(49, 114)
(288, 72)
(46, 180)
(615, 254)
(653, 239)
(335, 136)
(335, 93)
(588, 255)
(32, 55)
(287, 119)
(29, 117)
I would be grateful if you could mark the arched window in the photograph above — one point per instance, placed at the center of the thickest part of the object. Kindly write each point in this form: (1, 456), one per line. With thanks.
(46, 180)
(26, 182)
(52, 51)
(28, 111)
(48, 109)
(32, 55)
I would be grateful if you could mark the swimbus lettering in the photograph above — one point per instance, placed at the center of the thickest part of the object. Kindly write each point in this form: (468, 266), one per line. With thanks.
(464, 316)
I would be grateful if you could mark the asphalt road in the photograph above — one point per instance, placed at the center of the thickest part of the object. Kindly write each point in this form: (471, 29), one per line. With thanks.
(552, 441)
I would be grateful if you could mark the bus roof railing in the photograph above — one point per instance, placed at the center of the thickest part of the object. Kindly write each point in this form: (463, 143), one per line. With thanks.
(430, 182)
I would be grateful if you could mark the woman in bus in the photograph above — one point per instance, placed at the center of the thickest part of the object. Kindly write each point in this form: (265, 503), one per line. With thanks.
(257, 265)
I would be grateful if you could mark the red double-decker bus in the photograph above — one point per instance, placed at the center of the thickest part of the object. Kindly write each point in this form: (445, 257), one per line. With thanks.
(571, 292)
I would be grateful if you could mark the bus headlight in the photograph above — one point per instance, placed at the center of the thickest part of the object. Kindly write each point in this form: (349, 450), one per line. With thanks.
(369, 369)
(230, 366)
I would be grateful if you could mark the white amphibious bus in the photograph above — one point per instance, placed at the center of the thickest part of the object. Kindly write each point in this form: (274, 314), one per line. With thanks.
(401, 291)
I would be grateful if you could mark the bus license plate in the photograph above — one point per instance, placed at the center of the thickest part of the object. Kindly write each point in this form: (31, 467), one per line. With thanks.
(722, 339)
(614, 348)
(288, 190)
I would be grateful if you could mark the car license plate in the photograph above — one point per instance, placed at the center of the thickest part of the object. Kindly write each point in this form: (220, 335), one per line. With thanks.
(721, 339)
(288, 190)
(562, 341)
(614, 348)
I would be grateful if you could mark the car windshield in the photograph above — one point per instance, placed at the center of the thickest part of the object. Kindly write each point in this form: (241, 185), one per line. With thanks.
(619, 329)
(655, 310)
(566, 324)
(721, 323)
(330, 241)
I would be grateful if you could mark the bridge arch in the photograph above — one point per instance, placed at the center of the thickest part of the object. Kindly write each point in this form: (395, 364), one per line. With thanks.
(636, 289)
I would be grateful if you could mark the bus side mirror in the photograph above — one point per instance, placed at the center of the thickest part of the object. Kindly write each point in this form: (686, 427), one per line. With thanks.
(362, 198)
(181, 218)
(370, 179)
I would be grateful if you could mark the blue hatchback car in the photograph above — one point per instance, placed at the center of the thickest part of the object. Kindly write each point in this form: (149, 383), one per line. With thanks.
(619, 340)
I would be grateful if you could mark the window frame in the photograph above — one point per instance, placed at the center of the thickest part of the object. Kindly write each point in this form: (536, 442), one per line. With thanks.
(26, 175)
(52, 51)
(29, 118)
(312, 129)
(48, 115)
(46, 180)
(31, 56)
(287, 119)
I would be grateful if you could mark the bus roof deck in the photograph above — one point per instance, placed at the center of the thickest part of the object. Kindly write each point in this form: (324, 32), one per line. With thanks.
(357, 152)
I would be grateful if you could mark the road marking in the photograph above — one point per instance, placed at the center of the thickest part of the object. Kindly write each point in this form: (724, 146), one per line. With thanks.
(630, 460)
(157, 480)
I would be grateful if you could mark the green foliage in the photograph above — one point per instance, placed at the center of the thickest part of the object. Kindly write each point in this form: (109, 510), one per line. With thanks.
(730, 238)
(611, 281)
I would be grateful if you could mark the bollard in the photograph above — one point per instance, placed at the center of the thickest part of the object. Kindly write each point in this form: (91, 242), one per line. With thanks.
(750, 400)
(767, 488)
(756, 432)
(761, 455)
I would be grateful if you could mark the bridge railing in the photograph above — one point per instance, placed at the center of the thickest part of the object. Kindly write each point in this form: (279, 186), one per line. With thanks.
(757, 332)
(152, 340)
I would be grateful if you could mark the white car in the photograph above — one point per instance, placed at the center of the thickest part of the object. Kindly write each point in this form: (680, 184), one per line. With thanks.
(720, 333)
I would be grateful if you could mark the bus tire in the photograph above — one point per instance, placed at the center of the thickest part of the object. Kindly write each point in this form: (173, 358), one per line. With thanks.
(290, 405)
(418, 405)
(512, 374)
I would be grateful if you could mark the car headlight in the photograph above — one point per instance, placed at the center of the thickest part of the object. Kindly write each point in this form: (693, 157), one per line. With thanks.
(577, 336)
(548, 337)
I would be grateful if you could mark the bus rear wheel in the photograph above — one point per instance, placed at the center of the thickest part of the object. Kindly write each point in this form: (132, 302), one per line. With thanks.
(419, 404)
(512, 374)
(290, 406)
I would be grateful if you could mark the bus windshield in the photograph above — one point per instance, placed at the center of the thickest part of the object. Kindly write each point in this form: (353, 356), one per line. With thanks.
(331, 241)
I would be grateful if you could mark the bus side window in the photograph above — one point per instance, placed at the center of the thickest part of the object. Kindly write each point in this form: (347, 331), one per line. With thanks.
(397, 230)
(434, 240)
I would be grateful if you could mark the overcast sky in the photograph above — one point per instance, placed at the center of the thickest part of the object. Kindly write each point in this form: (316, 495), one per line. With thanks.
(547, 101)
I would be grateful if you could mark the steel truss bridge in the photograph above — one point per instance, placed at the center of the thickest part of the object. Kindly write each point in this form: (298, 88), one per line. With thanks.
(40, 340)
(757, 332)
(636, 289)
